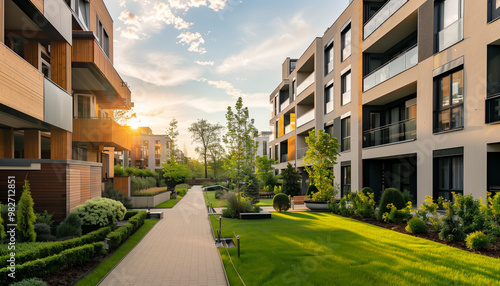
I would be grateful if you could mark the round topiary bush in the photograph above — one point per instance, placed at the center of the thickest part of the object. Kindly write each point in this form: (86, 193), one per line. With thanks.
(281, 202)
(416, 225)
(390, 196)
(100, 212)
(312, 189)
(477, 240)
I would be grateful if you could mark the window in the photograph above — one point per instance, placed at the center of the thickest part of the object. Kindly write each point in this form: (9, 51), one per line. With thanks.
(102, 37)
(294, 90)
(82, 10)
(157, 153)
(493, 10)
(276, 155)
(329, 130)
(493, 82)
(329, 58)
(448, 28)
(345, 39)
(264, 148)
(346, 88)
(346, 134)
(345, 171)
(449, 98)
(145, 144)
(292, 65)
(449, 176)
(329, 99)
(84, 106)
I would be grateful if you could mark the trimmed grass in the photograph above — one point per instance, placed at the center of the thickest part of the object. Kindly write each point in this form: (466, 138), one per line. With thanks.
(168, 204)
(265, 203)
(107, 264)
(325, 249)
(215, 202)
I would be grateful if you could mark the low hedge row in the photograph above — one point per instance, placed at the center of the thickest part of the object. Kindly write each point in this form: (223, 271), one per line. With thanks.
(51, 264)
(56, 247)
(122, 233)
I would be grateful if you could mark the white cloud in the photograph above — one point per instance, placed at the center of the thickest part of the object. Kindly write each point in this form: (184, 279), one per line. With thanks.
(217, 5)
(271, 50)
(130, 33)
(129, 18)
(194, 40)
(162, 12)
(207, 63)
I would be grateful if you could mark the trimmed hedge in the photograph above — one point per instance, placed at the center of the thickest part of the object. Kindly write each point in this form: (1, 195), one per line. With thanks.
(281, 202)
(56, 247)
(121, 234)
(51, 264)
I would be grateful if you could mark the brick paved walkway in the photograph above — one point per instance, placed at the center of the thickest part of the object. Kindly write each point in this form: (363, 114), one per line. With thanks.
(179, 250)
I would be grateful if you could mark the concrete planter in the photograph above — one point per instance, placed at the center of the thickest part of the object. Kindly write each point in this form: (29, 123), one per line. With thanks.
(150, 202)
(317, 206)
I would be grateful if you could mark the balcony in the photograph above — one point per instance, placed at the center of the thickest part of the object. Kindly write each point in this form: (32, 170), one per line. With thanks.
(289, 128)
(307, 117)
(284, 104)
(58, 106)
(392, 133)
(94, 72)
(101, 131)
(450, 35)
(381, 16)
(403, 62)
(306, 83)
(329, 107)
(301, 153)
(284, 158)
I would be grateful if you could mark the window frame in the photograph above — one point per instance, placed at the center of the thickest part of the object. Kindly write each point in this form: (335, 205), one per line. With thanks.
(490, 17)
(343, 87)
(346, 179)
(329, 87)
(439, 109)
(450, 168)
(343, 44)
(345, 134)
(329, 58)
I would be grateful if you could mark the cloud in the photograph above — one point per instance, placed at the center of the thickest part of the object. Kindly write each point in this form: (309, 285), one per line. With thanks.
(130, 33)
(194, 40)
(271, 50)
(260, 100)
(129, 18)
(217, 5)
(207, 63)
(162, 12)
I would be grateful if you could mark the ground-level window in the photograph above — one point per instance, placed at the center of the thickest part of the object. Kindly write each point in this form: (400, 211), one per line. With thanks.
(448, 173)
(345, 172)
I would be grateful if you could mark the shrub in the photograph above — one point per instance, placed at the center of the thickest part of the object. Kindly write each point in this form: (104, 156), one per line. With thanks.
(281, 202)
(364, 204)
(119, 172)
(237, 205)
(416, 225)
(276, 190)
(29, 282)
(42, 231)
(396, 215)
(343, 208)
(469, 210)
(26, 216)
(334, 207)
(100, 212)
(429, 206)
(407, 197)
(181, 192)
(367, 190)
(138, 183)
(121, 234)
(477, 240)
(129, 171)
(451, 226)
(112, 193)
(71, 226)
(2, 229)
(492, 215)
(390, 196)
(130, 214)
(219, 194)
(312, 189)
(44, 217)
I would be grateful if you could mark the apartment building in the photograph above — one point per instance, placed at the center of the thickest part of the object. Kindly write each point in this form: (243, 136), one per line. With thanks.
(411, 91)
(263, 139)
(58, 90)
(149, 151)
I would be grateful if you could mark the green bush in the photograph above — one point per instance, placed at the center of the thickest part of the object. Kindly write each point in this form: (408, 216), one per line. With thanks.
(407, 197)
(416, 225)
(344, 209)
(397, 215)
(119, 172)
(281, 202)
(29, 282)
(100, 212)
(237, 205)
(44, 217)
(2, 229)
(451, 225)
(492, 215)
(42, 231)
(312, 189)
(469, 210)
(26, 216)
(390, 196)
(430, 207)
(181, 192)
(276, 190)
(219, 194)
(71, 226)
(477, 240)
(291, 179)
(41, 251)
(121, 234)
(364, 204)
(129, 171)
(130, 214)
(139, 183)
(112, 193)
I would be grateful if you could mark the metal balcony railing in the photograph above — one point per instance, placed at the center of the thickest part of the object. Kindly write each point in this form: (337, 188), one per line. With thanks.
(396, 132)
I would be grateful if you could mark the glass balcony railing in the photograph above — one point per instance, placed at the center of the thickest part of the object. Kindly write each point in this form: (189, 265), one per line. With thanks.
(271, 137)
(284, 105)
(451, 35)
(289, 128)
(305, 84)
(284, 158)
(307, 117)
(381, 16)
(329, 107)
(391, 133)
(392, 68)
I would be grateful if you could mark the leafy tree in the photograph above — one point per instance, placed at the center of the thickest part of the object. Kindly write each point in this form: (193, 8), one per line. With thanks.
(319, 161)
(26, 216)
(175, 173)
(123, 116)
(173, 132)
(291, 178)
(240, 144)
(217, 153)
(265, 169)
(205, 134)
(252, 189)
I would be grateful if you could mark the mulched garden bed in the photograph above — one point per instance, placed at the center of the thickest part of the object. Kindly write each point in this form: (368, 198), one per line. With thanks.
(493, 250)
(70, 276)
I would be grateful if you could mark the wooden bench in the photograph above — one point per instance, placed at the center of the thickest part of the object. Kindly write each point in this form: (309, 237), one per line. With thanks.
(297, 200)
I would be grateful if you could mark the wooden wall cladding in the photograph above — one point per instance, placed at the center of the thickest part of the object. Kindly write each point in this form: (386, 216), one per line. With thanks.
(291, 149)
(21, 85)
(98, 9)
(38, 4)
(101, 131)
(122, 185)
(60, 64)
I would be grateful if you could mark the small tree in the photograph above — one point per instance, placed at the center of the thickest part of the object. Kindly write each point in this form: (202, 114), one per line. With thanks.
(265, 169)
(173, 132)
(291, 178)
(205, 134)
(252, 189)
(319, 161)
(175, 173)
(26, 216)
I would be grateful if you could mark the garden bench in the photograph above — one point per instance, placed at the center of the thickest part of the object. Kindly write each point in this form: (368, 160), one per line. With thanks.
(297, 200)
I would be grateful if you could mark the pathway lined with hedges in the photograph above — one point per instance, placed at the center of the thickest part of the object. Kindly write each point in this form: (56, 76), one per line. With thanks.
(179, 250)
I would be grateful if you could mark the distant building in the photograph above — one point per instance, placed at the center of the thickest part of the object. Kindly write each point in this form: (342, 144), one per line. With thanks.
(149, 151)
(263, 139)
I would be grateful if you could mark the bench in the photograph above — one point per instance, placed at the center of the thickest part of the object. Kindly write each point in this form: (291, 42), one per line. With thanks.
(298, 200)
(261, 215)
(266, 195)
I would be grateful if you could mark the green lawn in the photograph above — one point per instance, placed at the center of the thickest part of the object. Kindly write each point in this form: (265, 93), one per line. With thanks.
(107, 264)
(215, 202)
(168, 204)
(265, 202)
(326, 249)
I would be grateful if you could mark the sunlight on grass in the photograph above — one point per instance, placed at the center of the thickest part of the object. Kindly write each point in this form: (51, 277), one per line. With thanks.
(325, 249)
(265, 202)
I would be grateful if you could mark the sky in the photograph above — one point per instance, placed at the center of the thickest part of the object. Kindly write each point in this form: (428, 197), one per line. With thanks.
(191, 59)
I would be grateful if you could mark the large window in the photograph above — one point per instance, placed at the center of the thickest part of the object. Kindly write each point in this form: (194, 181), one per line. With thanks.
(264, 148)
(329, 129)
(345, 171)
(329, 58)
(449, 176)
(493, 85)
(346, 42)
(346, 134)
(449, 101)
(329, 99)
(346, 88)
(84, 106)
(103, 37)
(493, 10)
(157, 153)
(145, 145)
(448, 28)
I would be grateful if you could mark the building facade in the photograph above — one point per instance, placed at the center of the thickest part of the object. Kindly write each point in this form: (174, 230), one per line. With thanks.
(149, 151)
(58, 90)
(411, 91)
(263, 139)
